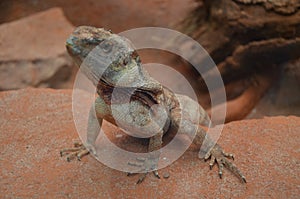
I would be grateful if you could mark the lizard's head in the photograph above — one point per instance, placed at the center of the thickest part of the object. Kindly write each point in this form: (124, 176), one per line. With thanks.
(104, 56)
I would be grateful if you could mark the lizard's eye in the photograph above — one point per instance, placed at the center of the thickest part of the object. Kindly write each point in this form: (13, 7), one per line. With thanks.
(106, 46)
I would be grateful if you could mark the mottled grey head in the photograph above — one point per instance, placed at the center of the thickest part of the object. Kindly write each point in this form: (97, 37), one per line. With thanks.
(104, 56)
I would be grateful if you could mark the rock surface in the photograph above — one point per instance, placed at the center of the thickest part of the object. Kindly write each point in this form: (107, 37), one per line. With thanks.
(36, 123)
(33, 51)
(111, 14)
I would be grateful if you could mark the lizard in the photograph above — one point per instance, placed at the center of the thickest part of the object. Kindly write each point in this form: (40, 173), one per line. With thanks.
(118, 67)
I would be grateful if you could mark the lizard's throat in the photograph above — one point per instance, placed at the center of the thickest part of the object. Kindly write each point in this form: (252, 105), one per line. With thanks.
(121, 95)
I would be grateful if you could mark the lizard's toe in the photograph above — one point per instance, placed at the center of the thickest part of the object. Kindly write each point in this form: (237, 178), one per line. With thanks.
(82, 153)
(141, 178)
(212, 162)
(207, 155)
(228, 155)
(79, 150)
(220, 166)
(155, 172)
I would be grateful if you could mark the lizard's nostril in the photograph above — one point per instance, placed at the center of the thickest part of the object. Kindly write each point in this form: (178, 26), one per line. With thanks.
(69, 42)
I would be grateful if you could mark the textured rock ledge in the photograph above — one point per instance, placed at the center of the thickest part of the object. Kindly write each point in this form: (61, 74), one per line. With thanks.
(36, 123)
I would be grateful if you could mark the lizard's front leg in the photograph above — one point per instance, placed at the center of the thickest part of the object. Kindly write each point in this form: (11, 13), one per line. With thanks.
(97, 111)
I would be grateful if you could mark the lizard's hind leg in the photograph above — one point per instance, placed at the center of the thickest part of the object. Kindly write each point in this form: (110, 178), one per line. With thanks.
(217, 156)
(150, 163)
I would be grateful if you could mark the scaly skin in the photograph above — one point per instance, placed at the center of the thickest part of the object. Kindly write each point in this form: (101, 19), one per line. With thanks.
(141, 102)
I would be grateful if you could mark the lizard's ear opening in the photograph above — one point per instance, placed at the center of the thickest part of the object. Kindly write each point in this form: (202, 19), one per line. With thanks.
(126, 61)
(136, 57)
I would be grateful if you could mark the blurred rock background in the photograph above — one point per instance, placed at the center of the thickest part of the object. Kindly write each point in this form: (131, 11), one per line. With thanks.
(33, 34)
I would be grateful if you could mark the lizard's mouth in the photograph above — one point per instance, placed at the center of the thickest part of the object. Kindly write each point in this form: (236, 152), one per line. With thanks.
(103, 82)
(74, 52)
(70, 46)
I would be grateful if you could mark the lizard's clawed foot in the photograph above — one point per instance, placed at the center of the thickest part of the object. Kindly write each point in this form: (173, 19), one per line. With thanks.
(143, 176)
(146, 165)
(79, 150)
(217, 155)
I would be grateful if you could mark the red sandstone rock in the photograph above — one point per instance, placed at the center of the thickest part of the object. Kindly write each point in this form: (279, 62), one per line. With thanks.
(36, 123)
(33, 51)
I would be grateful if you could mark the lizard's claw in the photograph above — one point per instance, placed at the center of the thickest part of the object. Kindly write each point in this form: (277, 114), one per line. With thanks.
(146, 165)
(79, 150)
(217, 155)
